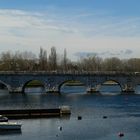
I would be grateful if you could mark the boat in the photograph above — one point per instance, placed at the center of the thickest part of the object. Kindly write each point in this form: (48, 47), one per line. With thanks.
(3, 119)
(10, 126)
(65, 110)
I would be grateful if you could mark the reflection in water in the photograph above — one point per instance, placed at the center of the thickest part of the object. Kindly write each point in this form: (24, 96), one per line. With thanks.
(34, 90)
(73, 90)
(10, 132)
(4, 91)
(122, 116)
(110, 90)
(138, 89)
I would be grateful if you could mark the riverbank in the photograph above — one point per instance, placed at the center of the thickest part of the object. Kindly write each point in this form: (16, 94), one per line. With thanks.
(74, 83)
(36, 83)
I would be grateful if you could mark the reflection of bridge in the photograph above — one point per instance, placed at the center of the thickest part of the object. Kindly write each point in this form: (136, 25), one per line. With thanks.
(16, 81)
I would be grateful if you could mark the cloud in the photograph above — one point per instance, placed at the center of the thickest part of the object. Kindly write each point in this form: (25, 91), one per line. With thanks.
(86, 33)
(88, 24)
(85, 54)
(18, 19)
(128, 52)
(104, 54)
(103, 25)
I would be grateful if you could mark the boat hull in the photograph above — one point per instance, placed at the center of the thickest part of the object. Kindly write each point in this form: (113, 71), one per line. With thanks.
(10, 126)
(3, 119)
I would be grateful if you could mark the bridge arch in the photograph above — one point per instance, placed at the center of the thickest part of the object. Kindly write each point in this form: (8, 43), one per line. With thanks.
(109, 85)
(4, 85)
(72, 84)
(33, 83)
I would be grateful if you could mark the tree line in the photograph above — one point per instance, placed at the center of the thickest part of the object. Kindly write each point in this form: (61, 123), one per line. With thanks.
(54, 62)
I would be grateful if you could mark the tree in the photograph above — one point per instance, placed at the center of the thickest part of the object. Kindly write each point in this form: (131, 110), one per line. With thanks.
(43, 63)
(6, 61)
(53, 59)
(65, 60)
(112, 64)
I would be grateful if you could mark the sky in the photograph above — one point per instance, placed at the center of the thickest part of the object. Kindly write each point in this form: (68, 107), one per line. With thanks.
(105, 28)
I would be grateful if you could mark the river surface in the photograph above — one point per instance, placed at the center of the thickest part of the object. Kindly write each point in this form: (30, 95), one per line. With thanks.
(122, 111)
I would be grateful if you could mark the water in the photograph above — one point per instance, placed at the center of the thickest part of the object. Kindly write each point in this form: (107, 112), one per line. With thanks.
(122, 111)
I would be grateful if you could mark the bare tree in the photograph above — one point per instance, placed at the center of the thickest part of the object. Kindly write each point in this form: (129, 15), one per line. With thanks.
(43, 59)
(112, 64)
(53, 59)
(6, 61)
(27, 61)
(65, 60)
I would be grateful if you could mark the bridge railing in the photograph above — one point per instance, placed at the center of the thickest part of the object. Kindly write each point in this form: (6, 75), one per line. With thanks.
(72, 72)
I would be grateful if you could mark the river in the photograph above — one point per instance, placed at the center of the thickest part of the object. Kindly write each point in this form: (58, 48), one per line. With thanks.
(122, 111)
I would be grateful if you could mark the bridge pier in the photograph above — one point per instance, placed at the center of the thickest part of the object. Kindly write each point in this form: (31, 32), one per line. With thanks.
(15, 90)
(93, 90)
(54, 90)
(128, 89)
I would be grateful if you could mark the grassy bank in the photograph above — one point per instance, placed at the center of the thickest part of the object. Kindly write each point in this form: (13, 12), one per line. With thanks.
(35, 83)
(74, 83)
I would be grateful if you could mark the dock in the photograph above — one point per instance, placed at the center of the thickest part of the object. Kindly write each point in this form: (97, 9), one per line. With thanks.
(34, 113)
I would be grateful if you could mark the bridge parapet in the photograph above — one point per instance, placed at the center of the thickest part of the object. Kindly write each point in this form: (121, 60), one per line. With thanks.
(72, 72)
(15, 81)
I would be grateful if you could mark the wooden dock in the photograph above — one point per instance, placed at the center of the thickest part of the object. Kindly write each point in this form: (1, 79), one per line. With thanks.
(30, 113)
(34, 113)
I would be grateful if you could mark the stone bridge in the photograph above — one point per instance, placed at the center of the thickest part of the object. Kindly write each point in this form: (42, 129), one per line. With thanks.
(16, 81)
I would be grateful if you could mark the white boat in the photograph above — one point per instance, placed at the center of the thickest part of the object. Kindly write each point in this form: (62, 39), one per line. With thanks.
(3, 119)
(65, 110)
(10, 126)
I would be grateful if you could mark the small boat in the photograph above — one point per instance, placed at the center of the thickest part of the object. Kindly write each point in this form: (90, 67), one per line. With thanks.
(65, 110)
(10, 126)
(3, 119)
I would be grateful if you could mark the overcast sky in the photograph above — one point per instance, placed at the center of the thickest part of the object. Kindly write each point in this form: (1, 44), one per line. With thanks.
(102, 27)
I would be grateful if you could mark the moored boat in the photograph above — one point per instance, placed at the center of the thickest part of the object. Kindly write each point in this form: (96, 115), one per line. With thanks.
(10, 126)
(65, 110)
(3, 119)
